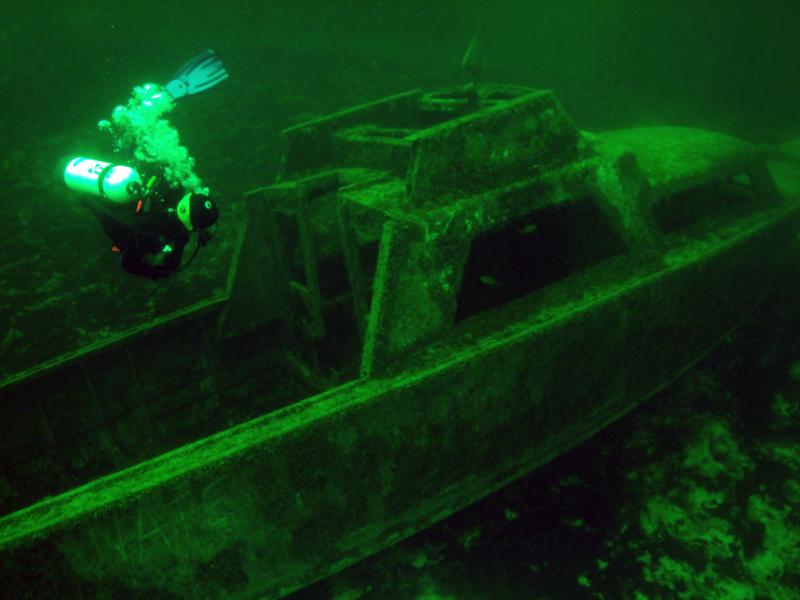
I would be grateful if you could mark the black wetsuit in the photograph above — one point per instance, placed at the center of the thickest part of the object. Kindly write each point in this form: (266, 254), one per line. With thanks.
(149, 236)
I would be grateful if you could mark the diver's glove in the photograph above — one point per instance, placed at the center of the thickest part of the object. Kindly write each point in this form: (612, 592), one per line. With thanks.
(202, 72)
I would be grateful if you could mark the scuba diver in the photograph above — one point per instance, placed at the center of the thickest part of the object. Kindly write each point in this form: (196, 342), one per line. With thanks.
(151, 230)
(150, 224)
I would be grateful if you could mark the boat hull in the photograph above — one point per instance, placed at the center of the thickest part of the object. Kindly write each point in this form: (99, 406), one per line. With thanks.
(273, 504)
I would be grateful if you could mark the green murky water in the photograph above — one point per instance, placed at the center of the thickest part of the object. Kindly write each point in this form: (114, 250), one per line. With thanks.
(696, 495)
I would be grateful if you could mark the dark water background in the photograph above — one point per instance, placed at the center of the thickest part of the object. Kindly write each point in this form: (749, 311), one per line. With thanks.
(732, 66)
(728, 65)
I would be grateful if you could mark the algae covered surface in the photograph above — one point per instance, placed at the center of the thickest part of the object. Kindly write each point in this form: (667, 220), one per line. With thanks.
(696, 494)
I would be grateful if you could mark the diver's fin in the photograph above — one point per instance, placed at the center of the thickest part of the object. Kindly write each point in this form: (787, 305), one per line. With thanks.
(202, 72)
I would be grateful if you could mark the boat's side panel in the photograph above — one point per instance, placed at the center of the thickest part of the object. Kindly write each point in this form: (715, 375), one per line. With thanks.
(506, 142)
(273, 504)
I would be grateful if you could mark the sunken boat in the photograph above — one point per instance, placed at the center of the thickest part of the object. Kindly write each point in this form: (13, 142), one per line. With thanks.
(442, 291)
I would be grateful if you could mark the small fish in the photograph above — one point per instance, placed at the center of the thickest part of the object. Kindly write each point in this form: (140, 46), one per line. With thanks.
(489, 280)
(529, 228)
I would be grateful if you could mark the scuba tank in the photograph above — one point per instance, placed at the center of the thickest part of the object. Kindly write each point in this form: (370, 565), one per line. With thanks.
(116, 183)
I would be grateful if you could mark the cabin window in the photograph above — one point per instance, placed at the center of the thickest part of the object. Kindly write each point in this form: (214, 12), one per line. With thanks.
(720, 199)
(534, 252)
